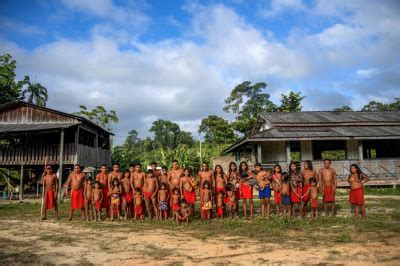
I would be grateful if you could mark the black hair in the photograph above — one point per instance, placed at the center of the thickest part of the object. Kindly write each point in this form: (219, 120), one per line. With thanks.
(77, 165)
(114, 164)
(215, 171)
(230, 164)
(175, 189)
(309, 164)
(150, 171)
(97, 182)
(206, 183)
(163, 184)
(164, 167)
(138, 164)
(132, 164)
(258, 164)
(175, 161)
(290, 168)
(153, 163)
(103, 165)
(279, 166)
(229, 187)
(138, 190)
(183, 201)
(358, 171)
(329, 160)
(221, 192)
(313, 180)
(115, 179)
(286, 177)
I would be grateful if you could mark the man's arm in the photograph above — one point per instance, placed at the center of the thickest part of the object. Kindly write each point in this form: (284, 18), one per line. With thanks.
(156, 190)
(334, 179)
(67, 183)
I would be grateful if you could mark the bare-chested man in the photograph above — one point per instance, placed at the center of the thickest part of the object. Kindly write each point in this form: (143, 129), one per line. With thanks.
(174, 176)
(156, 172)
(115, 173)
(138, 177)
(127, 195)
(307, 173)
(328, 183)
(205, 174)
(150, 191)
(188, 188)
(50, 189)
(163, 178)
(77, 180)
(102, 177)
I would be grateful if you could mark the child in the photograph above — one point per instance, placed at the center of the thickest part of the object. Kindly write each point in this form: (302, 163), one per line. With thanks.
(231, 200)
(207, 201)
(88, 200)
(220, 204)
(264, 191)
(276, 183)
(312, 193)
(285, 194)
(296, 185)
(126, 194)
(150, 193)
(175, 199)
(183, 213)
(137, 201)
(115, 198)
(188, 188)
(97, 198)
(356, 197)
(163, 197)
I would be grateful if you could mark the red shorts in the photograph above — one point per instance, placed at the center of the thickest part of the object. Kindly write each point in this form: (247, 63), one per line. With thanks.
(277, 197)
(97, 205)
(190, 197)
(205, 213)
(175, 207)
(329, 196)
(49, 199)
(139, 210)
(314, 203)
(105, 203)
(247, 191)
(357, 196)
(148, 194)
(305, 189)
(77, 199)
(128, 197)
(293, 197)
(220, 212)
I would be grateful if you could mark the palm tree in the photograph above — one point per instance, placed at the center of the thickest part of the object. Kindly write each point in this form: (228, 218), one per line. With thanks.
(35, 93)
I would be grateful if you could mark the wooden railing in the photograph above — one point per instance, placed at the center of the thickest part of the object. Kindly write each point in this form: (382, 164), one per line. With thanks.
(36, 154)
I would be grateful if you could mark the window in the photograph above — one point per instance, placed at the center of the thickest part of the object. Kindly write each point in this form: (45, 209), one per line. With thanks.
(294, 151)
(381, 148)
(329, 149)
(86, 138)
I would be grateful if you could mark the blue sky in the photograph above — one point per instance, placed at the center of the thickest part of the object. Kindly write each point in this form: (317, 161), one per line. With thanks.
(178, 60)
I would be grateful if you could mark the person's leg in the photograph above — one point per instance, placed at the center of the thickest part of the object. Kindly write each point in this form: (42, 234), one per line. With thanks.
(154, 203)
(326, 209)
(86, 207)
(148, 209)
(244, 202)
(251, 208)
(262, 202)
(268, 206)
(71, 213)
(363, 212)
(56, 209)
(333, 208)
(355, 210)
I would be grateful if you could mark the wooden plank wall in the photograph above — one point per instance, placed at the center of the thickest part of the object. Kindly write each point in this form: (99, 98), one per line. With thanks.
(28, 114)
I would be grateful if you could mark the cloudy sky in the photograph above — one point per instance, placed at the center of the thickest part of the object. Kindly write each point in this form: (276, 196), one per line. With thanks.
(179, 60)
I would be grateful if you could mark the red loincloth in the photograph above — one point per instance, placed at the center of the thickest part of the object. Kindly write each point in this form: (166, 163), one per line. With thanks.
(49, 199)
(128, 197)
(97, 205)
(293, 197)
(329, 196)
(237, 192)
(306, 187)
(105, 203)
(205, 214)
(277, 197)
(175, 207)
(77, 199)
(357, 196)
(220, 211)
(314, 203)
(247, 191)
(139, 210)
(148, 194)
(190, 197)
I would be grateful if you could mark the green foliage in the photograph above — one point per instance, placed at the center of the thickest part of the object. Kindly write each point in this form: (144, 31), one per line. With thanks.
(373, 106)
(10, 90)
(168, 134)
(35, 93)
(217, 130)
(99, 115)
(291, 102)
(344, 108)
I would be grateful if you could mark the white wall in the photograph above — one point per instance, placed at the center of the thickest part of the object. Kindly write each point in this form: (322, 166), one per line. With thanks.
(273, 151)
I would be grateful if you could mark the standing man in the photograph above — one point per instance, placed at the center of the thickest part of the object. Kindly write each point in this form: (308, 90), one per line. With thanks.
(102, 177)
(138, 177)
(156, 172)
(328, 183)
(115, 173)
(307, 173)
(77, 180)
(174, 178)
(50, 189)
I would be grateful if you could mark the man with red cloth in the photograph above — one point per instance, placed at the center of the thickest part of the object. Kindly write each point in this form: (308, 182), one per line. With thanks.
(77, 180)
(102, 177)
(49, 181)
(328, 182)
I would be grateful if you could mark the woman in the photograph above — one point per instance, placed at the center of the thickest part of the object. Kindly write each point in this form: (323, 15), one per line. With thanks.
(296, 184)
(220, 179)
(356, 197)
(246, 188)
(277, 179)
(234, 179)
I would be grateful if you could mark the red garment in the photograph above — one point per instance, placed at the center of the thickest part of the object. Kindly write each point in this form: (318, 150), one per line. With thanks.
(49, 199)
(329, 195)
(77, 199)
(205, 214)
(97, 205)
(220, 211)
(293, 197)
(314, 203)
(306, 187)
(277, 197)
(237, 192)
(105, 203)
(247, 191)
(139, 210)
(190, 197)
(148, 194)
(357, 196)
(175, 207)
(128, 197)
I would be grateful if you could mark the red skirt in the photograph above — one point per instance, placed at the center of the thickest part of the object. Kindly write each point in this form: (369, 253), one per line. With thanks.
(175, 207)
(293, 197)
(357, 196)
(77, 199)
(49, 199)
(97, 205)
(148, 194)
(314, 203)
(247, 191)
(105, 203)
(329, 195)
(190, 197)
(128, 197)
(305, 189)
(277, 197)
(220, 211)
(139, 210)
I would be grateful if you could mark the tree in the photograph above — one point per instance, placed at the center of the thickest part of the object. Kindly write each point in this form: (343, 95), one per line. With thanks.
(168, 134)
(247, 102)
(373, 106)
(291, 102)
(99, 116)
(344, 108)
(217, 130)
(35, 93)
(10, 90)
(132, 138)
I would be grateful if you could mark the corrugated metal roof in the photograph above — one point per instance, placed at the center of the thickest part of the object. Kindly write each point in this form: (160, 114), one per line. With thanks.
(5, 128)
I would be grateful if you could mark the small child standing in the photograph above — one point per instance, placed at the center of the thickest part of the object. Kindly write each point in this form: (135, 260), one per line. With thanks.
(220, 204)
(313, 192)
(97, 198)
(183, 213)
(88, 200)
(163, 197)
(207, 201)
(231, 200)
(138, 202)
(115, 198)
(175, 201)
(285, 194)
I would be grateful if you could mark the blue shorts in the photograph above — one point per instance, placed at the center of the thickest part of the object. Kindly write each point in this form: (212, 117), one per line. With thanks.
(264, 193)
(285, 200)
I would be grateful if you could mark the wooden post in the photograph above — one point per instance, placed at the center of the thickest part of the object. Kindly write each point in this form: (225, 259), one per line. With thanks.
(96, 145)
(60, 169)
(259, 153)
(21, 183)
(288, 159)
(76, 144)
(360, 152)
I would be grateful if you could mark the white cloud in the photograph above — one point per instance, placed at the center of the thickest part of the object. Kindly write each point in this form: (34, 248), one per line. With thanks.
(279, 6)
(367, 73)
(20, 27)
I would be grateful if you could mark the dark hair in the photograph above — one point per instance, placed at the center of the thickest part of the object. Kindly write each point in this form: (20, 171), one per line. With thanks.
(243, 173)
(206, 183)
(126, 172)
(164, 167)
(77, 165)
(329, 160)
(258, 164)
(150, 171)
(175, 161)
(97, 182)
(358, 170)
(229, 187)
(163, 184)
(138, 190)
(114, 164)
(138, 164)
(215, 171)
(313, 180)
(153, 163)
(103, 165)
(279, 166)
(290, 168)
(183, 201)
(115, 179)
(230, 164)
(132, 164)
(309, 164)
(221, 192)
(286, 177)
(175, 189)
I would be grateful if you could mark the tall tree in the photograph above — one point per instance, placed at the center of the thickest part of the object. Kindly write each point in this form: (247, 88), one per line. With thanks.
(247, 102)
(379, 106)
(99, 115)
(35, 93)
(132, 138)
(217, 130)
(10, 90)
(291, 102)
(344, 108)
(168, 134)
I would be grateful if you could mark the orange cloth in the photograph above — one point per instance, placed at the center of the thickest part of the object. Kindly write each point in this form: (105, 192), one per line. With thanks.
(357, 196)
(175, 207)
(220, 211)
(293, 197)
(97, 205)
(105, 203)
(139, 210)
(148, 194)
(190, 197)
(49, 199)
(314, 203)
(329, 196)
(247, 191)
(128, 197)
(305, 189)
(77, 199)
(277, 197)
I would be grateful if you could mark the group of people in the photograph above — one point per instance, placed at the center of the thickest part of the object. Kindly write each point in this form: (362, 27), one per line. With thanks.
(162, 193)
